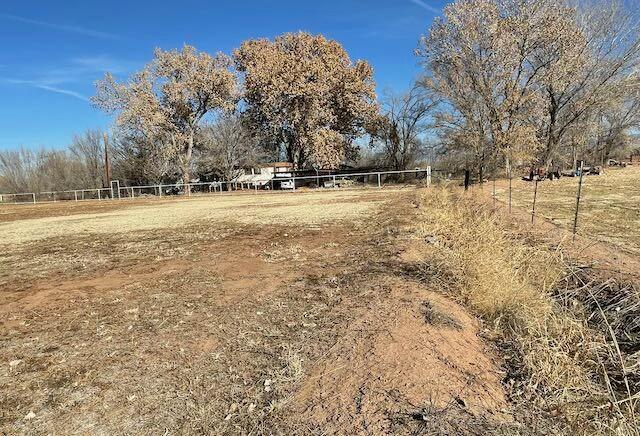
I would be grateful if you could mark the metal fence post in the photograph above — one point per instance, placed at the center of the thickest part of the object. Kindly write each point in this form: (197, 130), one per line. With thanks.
(75, 194)
(494, 192)
(510, 179)
(34, 197)
(429, 176)
(132, 194)
(379, 182)
(99, 195)
(575, 218)
(535, 195)
(294, 182)
(334, 182)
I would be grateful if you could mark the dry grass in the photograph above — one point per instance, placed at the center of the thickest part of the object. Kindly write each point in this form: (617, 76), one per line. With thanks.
(555, 357)
(307, 208)
(297, 314)
(609, 207)
(190, 316)
(245, 320)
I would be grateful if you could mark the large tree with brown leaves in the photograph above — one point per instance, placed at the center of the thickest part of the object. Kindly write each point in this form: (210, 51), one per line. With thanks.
(304, 92)
(169, 99)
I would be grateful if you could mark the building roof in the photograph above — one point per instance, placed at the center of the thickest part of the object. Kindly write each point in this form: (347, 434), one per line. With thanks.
(253, 178)
(277, 164)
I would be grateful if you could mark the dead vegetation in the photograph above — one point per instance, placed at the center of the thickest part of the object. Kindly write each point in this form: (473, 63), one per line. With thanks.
(436, 316)
(567, 371)
(315, 327)
(303, 326)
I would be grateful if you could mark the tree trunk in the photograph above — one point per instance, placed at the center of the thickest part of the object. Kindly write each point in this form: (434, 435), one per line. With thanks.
(507, 166)
(186, 164)
(294, 154)
(186, 176)
(552, 144)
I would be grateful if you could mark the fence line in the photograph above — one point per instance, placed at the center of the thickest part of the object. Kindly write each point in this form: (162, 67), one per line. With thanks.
(506, 201)
(115, 191)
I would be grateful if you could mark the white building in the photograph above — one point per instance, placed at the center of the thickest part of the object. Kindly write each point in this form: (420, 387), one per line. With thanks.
(265, 173)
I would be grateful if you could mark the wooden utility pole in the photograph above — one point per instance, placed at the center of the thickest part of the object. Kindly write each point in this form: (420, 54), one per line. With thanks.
(107, 165)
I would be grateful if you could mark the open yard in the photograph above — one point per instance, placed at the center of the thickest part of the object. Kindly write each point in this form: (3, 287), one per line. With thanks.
(234, 314)
(609, 205)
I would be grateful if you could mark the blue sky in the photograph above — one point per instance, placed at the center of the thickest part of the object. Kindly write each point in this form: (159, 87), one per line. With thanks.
(51, 52)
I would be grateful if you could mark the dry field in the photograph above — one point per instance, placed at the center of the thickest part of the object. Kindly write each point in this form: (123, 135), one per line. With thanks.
(609, 205)
(285, 314)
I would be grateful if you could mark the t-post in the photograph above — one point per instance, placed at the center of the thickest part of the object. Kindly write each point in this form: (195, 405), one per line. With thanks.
(535, 195)
(510, 179)
(575, 218)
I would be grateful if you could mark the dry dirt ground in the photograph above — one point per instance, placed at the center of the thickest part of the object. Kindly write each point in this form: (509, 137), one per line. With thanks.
(609, 204)
(275, 314)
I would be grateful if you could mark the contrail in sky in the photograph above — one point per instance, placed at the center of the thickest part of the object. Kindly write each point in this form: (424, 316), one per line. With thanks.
(62, 27)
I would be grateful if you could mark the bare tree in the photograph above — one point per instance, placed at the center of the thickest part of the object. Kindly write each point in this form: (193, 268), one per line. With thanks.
(585, 75)
(169, 99)
(521, 78)
(88, 150)
(478, 61)
(228, 147)
(140, 160)
(404, 122)
(305, 93)
(26, 170)
(18, 171)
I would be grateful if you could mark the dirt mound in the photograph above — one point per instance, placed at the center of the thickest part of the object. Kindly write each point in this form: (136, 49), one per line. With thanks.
(412, 357)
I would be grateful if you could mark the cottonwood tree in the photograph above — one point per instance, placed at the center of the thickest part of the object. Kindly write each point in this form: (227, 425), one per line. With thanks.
(477, 60)
(305, 93)
(169, 99)
(520, 77)
(401, 128)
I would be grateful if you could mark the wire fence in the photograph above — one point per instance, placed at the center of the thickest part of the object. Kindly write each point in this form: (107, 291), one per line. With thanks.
(606, 206)
(256, 184)
(603, 206)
